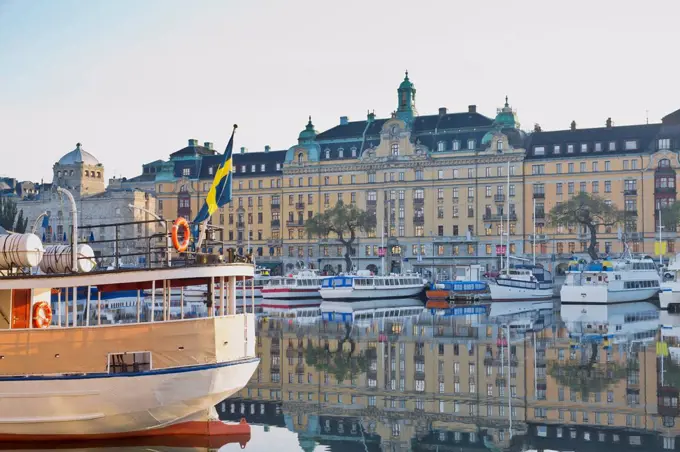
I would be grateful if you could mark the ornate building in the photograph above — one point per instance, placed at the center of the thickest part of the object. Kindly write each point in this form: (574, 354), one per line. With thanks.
(83, 175)
(438, 185)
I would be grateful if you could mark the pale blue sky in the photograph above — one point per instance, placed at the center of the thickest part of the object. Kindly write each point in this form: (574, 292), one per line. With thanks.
(134, 79)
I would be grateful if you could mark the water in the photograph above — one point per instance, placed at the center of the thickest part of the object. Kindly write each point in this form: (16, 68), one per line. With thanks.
(570, 378)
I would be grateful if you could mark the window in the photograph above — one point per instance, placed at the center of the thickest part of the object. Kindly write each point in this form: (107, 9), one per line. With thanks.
(558, 188)
(499, 145)
(419, 174)
(584, 147)
(570, 149)
(612, 145)
(440, 146)
(595, 167)
(607, 165)
(395, 148)
(558, 168)
(664, 143)
(186, 172)
(539, 150)
(537, 169)
(598, 147)
(556, 149)
(456, 145)
(631, 145)
(607, 186)
(625, 164)
(596, 186)
(471, 144)
(583, 167)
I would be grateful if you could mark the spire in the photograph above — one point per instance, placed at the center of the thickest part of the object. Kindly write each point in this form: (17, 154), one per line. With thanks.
(506, 101)
(406, 99)
(309, 134)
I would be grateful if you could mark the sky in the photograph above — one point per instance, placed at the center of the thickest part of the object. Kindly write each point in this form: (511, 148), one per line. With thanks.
(133, 80)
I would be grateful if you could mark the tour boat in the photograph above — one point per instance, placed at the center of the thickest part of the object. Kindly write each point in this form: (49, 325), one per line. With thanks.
(624, 280)
(364, 285)
(63, 378)
(299, 289)
(522, 283)
(669, 297)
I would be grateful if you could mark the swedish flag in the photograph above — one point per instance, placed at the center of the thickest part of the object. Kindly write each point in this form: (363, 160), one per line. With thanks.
(220, 191)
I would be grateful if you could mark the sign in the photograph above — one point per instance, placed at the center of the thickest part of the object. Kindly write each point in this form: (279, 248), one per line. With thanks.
(500, 250)
(382, 251)
(660, 248)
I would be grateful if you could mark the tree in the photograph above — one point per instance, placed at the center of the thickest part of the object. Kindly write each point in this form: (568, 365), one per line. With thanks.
(343, 365)
(589, 211)
(8, 212)
(670, 217)
(345, 221)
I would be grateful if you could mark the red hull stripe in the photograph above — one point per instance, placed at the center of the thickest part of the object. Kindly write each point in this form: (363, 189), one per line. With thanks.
(287, 290)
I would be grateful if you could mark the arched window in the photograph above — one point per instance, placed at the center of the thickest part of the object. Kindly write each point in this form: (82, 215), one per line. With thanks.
(395, 148)
(99, 175)
(183, 188)
(58, 173)
(328, 153)
(87, 173)
(499, 145)
(70, 173)
(440, 146)
(300, 157)
(354, 152)
(664, 163)
(341, 152)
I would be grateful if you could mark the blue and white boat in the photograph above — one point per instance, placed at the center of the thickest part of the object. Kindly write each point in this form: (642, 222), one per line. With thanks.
(467, 285)
(364, 285)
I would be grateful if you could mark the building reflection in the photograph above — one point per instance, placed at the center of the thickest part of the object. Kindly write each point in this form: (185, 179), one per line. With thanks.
(524, 379)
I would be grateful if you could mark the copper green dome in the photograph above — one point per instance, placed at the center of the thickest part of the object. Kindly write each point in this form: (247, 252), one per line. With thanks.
(309, 134)
(406, 84)
(506, 117)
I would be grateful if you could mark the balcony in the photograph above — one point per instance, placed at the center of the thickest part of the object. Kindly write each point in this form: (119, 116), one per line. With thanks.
(371, 203)
(276, 206)
(274, 242)
(455, 239)
(418, 220)
(540, 215)
(294, 223)
(240, 225)
(539, 195)
(276, 223)
(418, 201)
(498, 217)
(539, 238)
(630, 192)
(630, 213)
(664, 189)
(498, 198)
(300, 205)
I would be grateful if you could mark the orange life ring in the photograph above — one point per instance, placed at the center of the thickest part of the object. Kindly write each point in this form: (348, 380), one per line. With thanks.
(181, 222)
(42, 315)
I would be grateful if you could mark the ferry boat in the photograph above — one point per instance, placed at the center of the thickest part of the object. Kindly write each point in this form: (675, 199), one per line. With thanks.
(624, 280)
(81, 379)
(669, 297)
(522, 283)
(364, 285)
(298, 289)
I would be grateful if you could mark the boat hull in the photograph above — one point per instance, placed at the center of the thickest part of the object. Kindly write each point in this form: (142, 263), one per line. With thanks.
(290, 294)
(507, 293)
(349, 294)
(106, 406)
(601, 294)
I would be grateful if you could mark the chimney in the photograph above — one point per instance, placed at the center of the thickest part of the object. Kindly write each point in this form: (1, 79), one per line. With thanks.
(573, 125)
(208, 145)
(344, 120)
(267, 148)
(537, 128)
(472, 109)
(609, 123)
(193, 142)
(442, 111)
(243, 150)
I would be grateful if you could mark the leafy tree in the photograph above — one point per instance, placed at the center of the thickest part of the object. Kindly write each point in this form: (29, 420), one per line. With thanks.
(343, 365)
(587, 376)
(345, 221)
(670, 217)
(589, 211)
(8, 212)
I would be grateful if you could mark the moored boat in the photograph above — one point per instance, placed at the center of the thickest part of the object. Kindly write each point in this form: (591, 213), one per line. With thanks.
(299, 289)
(364, 285)
(522, 283)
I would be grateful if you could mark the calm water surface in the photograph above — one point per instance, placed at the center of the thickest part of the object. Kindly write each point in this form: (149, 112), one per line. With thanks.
(522, 377)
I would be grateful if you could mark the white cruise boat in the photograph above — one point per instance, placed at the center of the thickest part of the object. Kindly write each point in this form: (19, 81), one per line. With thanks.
(619, 281)
(522, 283)
(669, 297)
(254, 288)
(365, 313)
(298, 289)
(364, 285)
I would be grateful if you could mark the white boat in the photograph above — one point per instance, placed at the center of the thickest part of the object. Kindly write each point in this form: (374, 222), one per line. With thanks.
(253, 288)
(300, 289)
(366, 312)
(669, 297)
(63, 378)
(623, 280)
(364, 285)
(522, 283)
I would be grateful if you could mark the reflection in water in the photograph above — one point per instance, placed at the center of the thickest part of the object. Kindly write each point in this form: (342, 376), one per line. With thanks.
(512, 379)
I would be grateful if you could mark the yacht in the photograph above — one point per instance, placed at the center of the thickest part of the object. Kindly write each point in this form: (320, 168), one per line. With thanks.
(522, 283)
(623, 280)
(364, 285)
(292, 290)
(669, 297)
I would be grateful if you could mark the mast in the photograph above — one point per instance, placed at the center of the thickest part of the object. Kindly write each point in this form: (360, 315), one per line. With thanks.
(382, 246)
(660, 249)
(507, 204)
(534, 231)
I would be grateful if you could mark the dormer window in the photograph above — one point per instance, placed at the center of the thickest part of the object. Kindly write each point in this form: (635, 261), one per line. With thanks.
(252, 168)
(539, 150)
(584, 147)
(354, 152)
(570, 149)
(210, 170)
(471, 144)
(341, 153)
(186, 172)
(456, 145)
(243, 168)
(631, 145)
(440, 146)
(499, 145)
(278, 167)
(395, 148)
(58, 173)
(612, 145)
(557, 149)
(664, 143)
(598, 147)
(328, 153)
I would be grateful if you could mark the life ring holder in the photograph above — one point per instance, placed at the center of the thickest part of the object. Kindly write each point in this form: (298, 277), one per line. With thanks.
(42, 315)
(181, 222)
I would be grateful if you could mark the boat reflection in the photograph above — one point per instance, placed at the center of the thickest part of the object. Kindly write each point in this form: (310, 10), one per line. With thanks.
(515, 378)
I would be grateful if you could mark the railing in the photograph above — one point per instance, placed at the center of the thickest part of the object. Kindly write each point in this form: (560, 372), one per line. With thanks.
(664, 190)
(419, 220)
(630, 213)
(539, 195)
(275, 205)
(276, 223)
(299, 205)
(499, 198)
(240, 225)
(630, 192)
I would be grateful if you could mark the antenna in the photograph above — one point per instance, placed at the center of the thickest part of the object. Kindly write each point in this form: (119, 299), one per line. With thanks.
(647, 115)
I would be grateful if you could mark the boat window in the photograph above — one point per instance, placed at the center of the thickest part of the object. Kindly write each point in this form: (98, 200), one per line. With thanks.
(130, 362)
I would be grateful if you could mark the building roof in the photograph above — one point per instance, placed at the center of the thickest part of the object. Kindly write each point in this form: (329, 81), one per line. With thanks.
(632, 139)
(78, 155)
